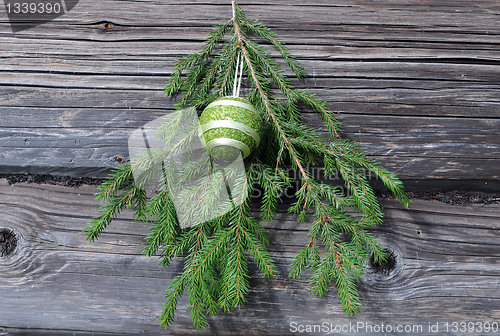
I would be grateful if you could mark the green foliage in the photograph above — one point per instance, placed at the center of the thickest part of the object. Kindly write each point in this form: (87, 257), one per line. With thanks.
(216, 253)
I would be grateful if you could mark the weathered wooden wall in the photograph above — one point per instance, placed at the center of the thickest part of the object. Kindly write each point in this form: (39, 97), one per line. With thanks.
(417, 83)
(56, 282)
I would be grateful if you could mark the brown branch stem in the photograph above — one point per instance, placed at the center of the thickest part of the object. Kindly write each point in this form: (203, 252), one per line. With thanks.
(270, 112)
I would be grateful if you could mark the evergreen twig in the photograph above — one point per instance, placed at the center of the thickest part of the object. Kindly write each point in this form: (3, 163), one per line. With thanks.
(216, 253)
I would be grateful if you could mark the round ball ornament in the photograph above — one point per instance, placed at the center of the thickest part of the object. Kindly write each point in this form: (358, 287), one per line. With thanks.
(230, 126)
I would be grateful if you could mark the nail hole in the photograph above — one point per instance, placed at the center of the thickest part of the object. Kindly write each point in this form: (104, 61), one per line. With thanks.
(419, 232)
(385, 267)
(108, 25)
(8, 242)
(119, 159)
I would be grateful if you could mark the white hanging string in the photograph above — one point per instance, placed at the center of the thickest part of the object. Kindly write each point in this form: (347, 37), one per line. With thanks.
(239, 80)
(238, 73)
(236, 76)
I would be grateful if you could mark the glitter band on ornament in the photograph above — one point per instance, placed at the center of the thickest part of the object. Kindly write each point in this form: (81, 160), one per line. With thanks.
(234, 125)
(234, 103)
(245, 150)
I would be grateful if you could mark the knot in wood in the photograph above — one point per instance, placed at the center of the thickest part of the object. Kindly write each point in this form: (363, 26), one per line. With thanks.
(386, 266)
(8, 242)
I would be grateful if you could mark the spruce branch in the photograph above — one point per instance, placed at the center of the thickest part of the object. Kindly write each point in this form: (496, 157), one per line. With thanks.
(216, 253)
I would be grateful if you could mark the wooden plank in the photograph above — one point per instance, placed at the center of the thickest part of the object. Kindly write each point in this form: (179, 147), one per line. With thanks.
(440, 16)
(446, 270)
(79, 141)
(397, 78)
(83, 130)
(95, 158)
(417, 84)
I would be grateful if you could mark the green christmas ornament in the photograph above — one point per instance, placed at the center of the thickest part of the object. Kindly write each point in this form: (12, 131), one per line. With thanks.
(231, 125)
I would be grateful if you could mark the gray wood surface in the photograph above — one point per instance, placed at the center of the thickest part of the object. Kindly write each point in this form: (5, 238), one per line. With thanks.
(416, 83)
(56, 282)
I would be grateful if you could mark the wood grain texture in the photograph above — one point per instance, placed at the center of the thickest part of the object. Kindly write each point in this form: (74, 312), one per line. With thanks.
(417, 84)
(57, 283)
